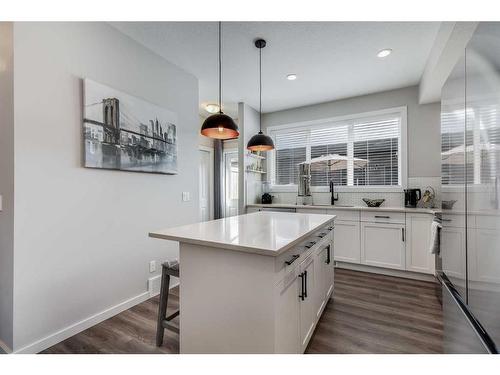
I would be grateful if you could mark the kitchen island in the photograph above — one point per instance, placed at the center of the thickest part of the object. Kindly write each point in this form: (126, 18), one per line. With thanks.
(255, 283)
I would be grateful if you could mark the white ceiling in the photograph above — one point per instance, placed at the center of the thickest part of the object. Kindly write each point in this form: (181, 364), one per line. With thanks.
(333, 60)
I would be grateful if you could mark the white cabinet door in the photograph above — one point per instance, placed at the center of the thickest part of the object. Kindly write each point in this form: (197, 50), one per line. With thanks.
(330, 270)
(418, 256)
(347, 242)
(320, 280)
(382, 245)
(287, 314)
(306, 302)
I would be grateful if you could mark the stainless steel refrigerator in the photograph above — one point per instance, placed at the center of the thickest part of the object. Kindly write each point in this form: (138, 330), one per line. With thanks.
(469, 257)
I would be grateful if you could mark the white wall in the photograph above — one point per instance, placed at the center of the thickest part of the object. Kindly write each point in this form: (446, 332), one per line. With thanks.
(424, 137)
(249, 184)
(81, 243)
(6, 184)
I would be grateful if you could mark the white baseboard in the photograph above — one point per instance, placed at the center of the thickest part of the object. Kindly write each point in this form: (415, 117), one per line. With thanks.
(5, 347)
(386, 271)
(80, 326)
(91, 321)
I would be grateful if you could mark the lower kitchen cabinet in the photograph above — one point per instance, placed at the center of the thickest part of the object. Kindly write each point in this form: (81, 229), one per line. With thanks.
(287, 314)
(383, 245)
(347, 242)
(418, 240)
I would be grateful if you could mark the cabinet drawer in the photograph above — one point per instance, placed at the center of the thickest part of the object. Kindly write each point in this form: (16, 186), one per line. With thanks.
(383, 217)
(345, 215)
(290, 259)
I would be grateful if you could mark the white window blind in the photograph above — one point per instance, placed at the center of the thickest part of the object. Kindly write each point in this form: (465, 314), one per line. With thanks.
(329, 140)
(377, 142)
(371, 146)
(290, 150)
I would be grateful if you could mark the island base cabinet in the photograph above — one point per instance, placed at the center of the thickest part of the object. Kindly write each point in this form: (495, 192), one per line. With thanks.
(306, 302)
(383, 245)
(232, 302)
(287, 313)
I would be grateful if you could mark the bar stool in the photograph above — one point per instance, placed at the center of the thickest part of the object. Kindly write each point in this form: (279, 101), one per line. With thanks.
(167, 270)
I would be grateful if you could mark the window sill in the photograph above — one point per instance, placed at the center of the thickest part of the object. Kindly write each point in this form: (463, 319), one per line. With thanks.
(339, 189)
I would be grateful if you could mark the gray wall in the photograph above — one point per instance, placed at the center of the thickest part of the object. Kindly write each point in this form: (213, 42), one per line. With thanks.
(81, 235)
(249, 184)
(424, 139)
(6, 183)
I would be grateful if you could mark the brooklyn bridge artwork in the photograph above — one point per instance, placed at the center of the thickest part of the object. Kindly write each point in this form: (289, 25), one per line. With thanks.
(127, 133)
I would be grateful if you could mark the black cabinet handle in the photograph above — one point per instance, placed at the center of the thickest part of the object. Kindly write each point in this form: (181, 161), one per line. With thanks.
(321, 235)
(328, 260)
(302, 295)
(382, 217)
(311, 244)
(330, 228)
(403, 234)
(293, 259)
(305, 284)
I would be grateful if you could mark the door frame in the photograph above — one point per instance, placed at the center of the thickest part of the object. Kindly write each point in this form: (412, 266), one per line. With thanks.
(210, 150)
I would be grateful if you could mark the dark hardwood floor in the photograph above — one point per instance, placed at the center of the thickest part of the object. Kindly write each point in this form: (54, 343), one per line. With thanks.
(369, 314)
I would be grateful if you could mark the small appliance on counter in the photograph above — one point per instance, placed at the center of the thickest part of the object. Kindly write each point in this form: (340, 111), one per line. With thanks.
(266, 198)
(304, 196)
(412, 196)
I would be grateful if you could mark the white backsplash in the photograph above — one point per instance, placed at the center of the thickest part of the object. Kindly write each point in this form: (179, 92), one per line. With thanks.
(392, 199)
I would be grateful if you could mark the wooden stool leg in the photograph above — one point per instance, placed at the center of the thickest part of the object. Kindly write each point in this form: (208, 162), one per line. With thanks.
(162, 310)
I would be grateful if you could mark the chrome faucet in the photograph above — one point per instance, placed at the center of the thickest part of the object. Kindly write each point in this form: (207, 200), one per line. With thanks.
(333, 197)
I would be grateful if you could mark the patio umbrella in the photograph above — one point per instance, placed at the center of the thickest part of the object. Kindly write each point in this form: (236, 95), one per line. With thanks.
(456, 155)
(334, 162)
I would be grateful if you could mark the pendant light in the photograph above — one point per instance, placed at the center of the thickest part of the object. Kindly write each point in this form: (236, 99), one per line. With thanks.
(260, 141)
(220, 125)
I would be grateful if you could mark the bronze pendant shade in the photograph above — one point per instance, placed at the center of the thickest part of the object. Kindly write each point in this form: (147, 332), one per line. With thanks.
(260, 141)
(220, 125)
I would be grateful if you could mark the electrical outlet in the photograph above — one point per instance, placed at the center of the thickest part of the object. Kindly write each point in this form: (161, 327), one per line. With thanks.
(152, 266)
(186, 196)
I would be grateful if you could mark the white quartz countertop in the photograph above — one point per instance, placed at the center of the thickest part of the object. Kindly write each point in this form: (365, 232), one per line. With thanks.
(264, 233)
(350, 208)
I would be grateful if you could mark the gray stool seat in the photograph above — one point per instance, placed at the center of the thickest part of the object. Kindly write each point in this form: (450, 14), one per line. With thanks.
(167, 270)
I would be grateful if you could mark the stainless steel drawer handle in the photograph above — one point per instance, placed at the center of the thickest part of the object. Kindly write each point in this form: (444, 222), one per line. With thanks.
(382, 217)
(293, 259)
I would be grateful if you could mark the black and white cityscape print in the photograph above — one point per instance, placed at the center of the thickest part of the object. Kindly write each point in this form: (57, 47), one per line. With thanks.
(127, 133)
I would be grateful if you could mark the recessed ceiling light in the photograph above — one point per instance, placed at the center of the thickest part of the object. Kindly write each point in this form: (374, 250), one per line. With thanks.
(212, 108)
(291, 77)
(384, 53)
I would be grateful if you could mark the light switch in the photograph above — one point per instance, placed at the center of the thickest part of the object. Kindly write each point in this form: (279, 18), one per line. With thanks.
(185, 196)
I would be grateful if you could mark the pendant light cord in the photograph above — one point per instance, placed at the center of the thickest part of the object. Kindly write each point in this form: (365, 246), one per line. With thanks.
(220, 67)
(260, 90)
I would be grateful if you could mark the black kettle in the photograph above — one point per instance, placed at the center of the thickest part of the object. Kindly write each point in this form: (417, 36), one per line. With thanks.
(412, 196)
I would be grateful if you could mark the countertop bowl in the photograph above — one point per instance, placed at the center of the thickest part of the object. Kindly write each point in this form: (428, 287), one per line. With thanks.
(373, 202)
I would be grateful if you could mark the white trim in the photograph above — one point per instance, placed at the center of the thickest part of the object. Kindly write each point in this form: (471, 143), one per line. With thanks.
(211, 151)
(402, 159)
(5, 347)
(84, 324)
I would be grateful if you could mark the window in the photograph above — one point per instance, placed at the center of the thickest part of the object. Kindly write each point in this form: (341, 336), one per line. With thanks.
(367, 146)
